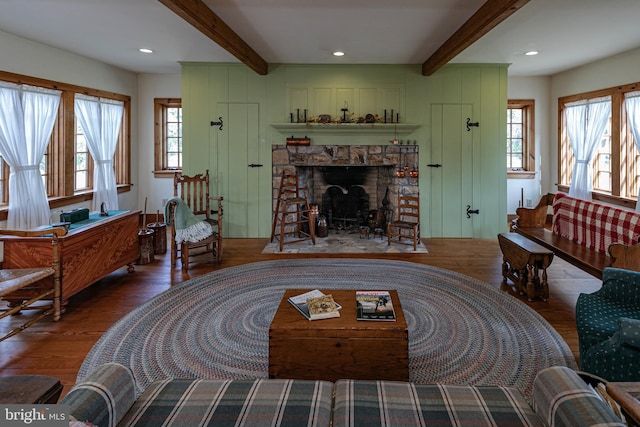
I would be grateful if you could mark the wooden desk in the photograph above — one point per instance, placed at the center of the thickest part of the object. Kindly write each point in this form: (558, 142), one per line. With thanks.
(522, 262)
(341, 347)
(627, 394)
(36, 389)
(87, 254)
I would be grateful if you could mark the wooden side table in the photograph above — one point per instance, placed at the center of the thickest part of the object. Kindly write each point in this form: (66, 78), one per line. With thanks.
(36, 389)
(627, 395)
(522, 262)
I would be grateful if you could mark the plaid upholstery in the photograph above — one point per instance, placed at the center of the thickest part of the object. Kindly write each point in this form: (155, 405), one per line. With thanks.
(233, 403)
(104, 396)
(562, 398)
(391, 403)
(594, 225)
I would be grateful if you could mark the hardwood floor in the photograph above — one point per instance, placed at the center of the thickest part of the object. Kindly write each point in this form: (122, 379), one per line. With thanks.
(58, 348)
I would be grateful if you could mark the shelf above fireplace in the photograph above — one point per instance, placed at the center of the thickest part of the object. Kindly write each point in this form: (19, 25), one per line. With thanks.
(399, 128)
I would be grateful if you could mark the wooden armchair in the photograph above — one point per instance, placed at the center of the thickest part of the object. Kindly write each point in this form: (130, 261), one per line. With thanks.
(194, 190)
(407, 222)
(33, 284)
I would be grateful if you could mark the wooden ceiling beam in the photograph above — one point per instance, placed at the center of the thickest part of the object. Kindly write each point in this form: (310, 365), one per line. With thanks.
(198, 14)
(490, 14)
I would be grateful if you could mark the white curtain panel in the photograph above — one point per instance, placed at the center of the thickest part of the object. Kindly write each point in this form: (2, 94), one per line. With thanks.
(586, 122)
(632, 103)
(27, 116)
(101, 120)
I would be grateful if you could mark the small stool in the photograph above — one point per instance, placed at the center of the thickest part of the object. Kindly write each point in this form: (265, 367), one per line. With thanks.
(378, 232)
(522, 262)
(364, 231)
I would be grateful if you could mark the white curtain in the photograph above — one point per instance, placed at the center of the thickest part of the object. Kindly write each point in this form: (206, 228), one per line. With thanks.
(586, 122)
(27, 116)
(101, 120)
(632, 102)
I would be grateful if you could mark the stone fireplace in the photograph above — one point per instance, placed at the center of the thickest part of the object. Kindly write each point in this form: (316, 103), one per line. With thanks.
(348, 183)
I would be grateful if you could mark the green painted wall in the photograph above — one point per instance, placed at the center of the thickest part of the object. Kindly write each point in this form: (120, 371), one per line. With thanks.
(206, 88)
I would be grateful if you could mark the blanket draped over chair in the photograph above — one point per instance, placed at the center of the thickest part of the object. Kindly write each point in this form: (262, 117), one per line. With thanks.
(189, 228)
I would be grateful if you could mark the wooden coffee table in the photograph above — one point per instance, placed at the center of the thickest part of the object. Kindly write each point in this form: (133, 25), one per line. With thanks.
(342, 347)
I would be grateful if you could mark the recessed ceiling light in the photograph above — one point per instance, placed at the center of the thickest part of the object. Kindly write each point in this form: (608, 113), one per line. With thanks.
(338, 53)
(531, 53)
(145, 50)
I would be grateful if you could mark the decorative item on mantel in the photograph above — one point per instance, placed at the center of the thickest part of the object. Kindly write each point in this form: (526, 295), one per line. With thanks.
(299, 119)
(299, 141)
(391, 117)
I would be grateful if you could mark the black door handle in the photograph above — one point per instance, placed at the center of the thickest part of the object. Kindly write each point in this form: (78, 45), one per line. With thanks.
(254, 165)
(471, 211)
(434, 165)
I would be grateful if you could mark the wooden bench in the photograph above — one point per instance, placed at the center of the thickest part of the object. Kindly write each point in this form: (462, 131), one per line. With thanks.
(33, 284)
(587, 234)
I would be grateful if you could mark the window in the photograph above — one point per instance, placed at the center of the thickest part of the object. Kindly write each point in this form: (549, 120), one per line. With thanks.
(168, 136)
(615, 166)
(83, 172)
(520, 139)
(67, 177)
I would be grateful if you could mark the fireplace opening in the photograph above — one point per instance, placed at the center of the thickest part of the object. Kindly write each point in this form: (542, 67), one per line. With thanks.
(349, 196)
(345, 210)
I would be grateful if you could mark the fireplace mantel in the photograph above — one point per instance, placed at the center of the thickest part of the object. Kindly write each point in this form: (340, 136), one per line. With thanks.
(399, 128)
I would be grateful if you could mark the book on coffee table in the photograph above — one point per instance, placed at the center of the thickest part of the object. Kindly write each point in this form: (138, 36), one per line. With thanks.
(315, 305)
(374, 305)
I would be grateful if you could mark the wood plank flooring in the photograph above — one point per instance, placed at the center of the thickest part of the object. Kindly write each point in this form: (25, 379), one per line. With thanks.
(58, 348)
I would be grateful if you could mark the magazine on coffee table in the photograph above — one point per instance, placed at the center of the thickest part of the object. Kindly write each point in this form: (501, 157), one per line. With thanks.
(374, 305)
(315, 305)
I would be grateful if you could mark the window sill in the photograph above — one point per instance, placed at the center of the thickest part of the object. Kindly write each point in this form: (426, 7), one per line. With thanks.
(166, 173)
(59, 202)
(606, 198)
(520, 174)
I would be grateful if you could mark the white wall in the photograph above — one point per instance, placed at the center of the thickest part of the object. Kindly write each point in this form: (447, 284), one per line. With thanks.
(22, 56)
(536, 88)
(155, 189)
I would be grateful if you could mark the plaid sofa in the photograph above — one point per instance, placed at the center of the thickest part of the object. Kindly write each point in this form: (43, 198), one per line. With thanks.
(107, 398)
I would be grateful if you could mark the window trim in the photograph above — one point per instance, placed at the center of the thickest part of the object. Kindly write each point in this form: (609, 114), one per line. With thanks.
(60, 169)
(160, 170)
(529, 153)
(619, 142)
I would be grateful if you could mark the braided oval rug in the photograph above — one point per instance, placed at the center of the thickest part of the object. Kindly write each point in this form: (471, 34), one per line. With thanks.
(461, 330)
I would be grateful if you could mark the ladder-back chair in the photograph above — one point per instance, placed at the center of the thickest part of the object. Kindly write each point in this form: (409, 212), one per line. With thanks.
(406, 224)
(194, 190)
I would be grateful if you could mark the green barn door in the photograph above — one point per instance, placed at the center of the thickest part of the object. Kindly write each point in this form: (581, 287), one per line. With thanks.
(451, 170)
(237, 148)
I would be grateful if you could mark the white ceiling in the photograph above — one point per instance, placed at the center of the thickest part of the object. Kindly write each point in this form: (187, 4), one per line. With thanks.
(568, 33)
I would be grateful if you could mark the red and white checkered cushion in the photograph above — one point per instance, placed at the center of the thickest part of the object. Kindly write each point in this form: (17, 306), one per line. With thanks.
(594, 225)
